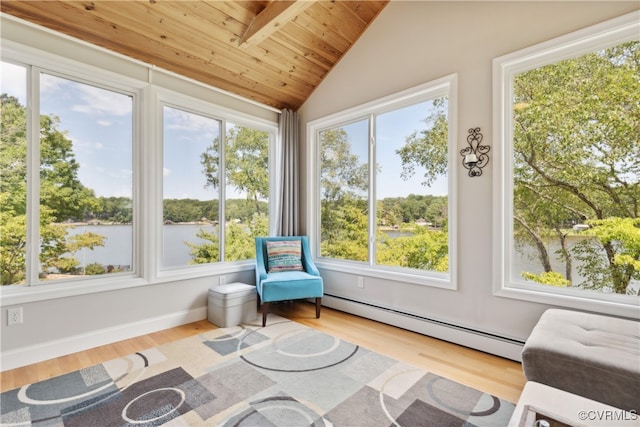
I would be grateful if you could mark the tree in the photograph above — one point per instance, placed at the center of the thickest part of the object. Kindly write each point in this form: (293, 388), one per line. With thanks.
(343, 199)
(247, 163)
(429, 148)
(577, 157)
(621, 234)
(247, 171)
(63, 197)
(239, 244)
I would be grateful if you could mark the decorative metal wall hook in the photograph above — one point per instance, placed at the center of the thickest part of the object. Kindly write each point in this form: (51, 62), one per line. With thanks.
(475, 157)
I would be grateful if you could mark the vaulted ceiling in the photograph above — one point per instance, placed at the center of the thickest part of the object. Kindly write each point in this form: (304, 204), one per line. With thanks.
(274, 52)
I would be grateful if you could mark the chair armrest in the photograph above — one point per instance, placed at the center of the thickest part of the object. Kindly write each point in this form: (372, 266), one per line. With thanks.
(307, 261)
(261, 270)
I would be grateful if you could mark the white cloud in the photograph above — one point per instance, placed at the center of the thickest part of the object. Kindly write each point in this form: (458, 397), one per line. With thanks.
(101, 102)
(104, 123)
(166, 172)
(14, 81)
(189, 122)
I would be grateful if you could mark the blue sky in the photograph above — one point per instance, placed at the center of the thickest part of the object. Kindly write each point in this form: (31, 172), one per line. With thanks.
(100, 124)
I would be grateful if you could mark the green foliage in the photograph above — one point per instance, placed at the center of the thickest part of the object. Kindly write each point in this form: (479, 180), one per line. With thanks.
(344, 205)
(551, 278)
(94, 269)
(62, 195)
(13, 242)
(622, 235)
(247, 163)
(430, 148)
(577, 158)
(203, 253)
(115, 209)
(239, 241)
(246, 171)
(425, 250)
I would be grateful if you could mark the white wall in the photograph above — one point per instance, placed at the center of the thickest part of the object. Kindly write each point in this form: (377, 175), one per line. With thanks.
(413, 42)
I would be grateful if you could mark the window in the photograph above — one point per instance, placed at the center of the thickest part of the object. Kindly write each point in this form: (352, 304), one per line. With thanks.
(86, 195)
(190, 200)
(571, 164)
(213, 180)
(13, 170)
(83, 222)
(383, 181)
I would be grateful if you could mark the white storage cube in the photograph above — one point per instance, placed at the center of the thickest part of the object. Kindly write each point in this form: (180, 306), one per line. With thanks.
(232, 304)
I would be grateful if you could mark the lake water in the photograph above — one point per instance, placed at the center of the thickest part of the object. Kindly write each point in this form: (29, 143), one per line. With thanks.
(118, 249)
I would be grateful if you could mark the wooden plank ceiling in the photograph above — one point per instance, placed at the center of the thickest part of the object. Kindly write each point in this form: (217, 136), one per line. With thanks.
(273, 52)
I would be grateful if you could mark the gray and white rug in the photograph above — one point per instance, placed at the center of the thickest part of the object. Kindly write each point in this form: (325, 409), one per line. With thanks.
(285, 374)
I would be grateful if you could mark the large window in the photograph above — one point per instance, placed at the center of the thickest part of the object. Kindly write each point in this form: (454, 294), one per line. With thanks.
(123, 177)
(213, 181)
(572, 166)
(83, 221)
(383, 182)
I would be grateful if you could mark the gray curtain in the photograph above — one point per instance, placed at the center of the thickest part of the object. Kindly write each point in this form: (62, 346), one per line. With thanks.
(287, 212)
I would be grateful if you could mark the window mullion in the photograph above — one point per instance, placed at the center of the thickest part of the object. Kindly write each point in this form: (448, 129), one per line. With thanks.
(222, 169)
(33, 177)
(372, 189)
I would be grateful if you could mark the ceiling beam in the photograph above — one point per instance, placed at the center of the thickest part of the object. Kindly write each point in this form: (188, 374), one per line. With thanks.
(271, 19)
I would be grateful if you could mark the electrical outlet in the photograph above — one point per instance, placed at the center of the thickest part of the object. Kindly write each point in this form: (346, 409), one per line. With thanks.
(360, 282)
(14, 316)
(223, 280)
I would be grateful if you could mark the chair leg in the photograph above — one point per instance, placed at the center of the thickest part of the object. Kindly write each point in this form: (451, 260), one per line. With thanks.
(265, 310)
(318, 305)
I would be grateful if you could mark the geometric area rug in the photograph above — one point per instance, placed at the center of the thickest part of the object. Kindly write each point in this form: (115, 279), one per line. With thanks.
(285, 374)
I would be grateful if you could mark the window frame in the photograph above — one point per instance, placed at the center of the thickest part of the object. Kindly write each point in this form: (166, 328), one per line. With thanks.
(165, 97)
(444, 86)
(37, 64)
(143, 82)
(572, 45)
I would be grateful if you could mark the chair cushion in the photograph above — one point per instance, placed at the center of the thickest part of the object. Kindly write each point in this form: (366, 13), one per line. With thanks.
(284, 255)
(290, 285)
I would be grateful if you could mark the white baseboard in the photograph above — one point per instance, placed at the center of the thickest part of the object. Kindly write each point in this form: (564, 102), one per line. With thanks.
(487, 343)
(48, 350)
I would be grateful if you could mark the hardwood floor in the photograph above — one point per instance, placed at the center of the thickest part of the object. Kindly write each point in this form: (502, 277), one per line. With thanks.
(500, 377)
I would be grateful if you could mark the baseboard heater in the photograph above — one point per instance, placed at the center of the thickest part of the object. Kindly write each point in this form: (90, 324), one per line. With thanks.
(480, 340)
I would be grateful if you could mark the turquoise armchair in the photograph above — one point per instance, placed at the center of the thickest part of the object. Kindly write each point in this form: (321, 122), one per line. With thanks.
(276, 285)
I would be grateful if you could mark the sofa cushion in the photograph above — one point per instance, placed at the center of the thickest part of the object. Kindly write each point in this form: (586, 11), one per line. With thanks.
(284, 255)
(590, 355)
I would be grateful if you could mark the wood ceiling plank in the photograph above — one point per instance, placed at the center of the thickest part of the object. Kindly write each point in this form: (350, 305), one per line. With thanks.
(316, 45)
(199, 39)
(338, 19)
(241, 11)
(301, 70)
(271, 19)
(366, 10)
(173, 35)
(289, 40)
(334, 41)
(78, 22)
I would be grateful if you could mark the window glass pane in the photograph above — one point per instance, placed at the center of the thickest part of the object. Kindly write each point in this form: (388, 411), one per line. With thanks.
(13, 174)
(576, 173)
(190, 188)
(247, 190)
(411, 186)
(344, 175)
(86, 179)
